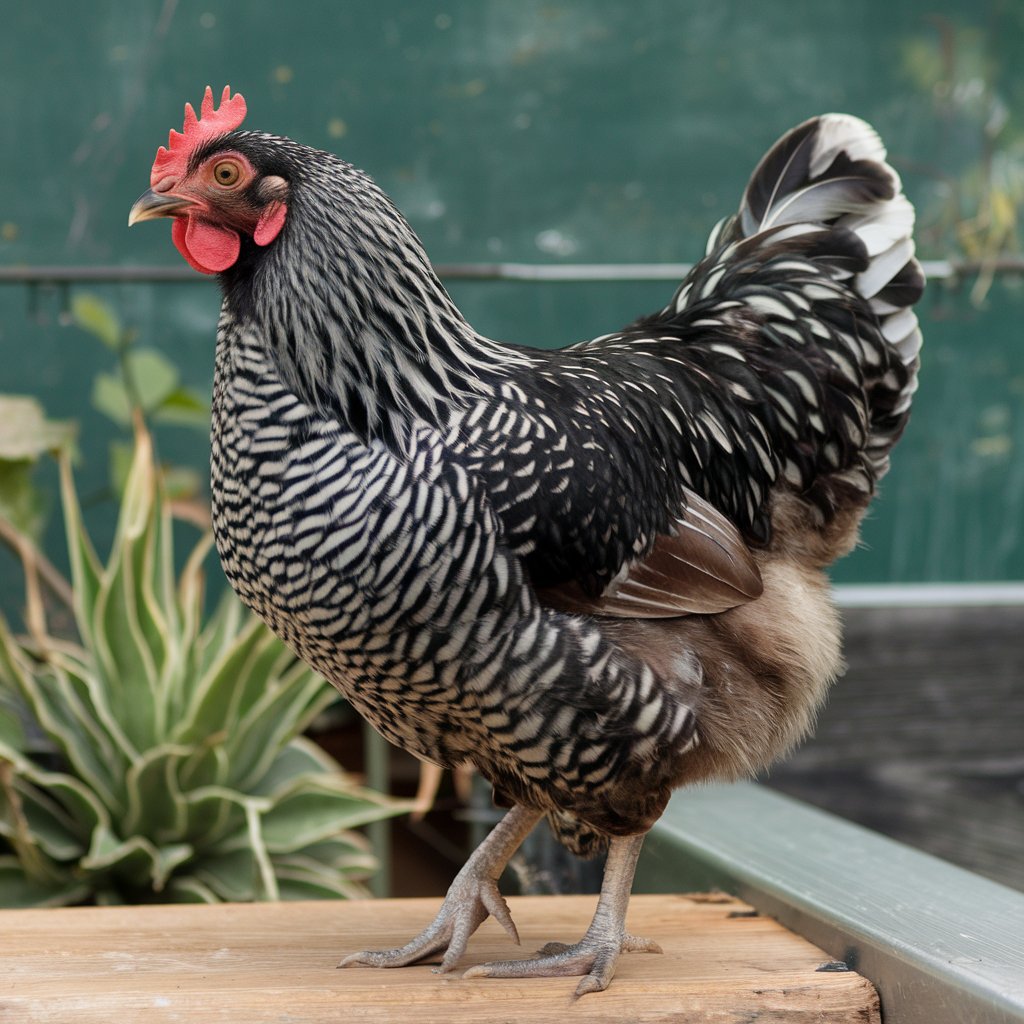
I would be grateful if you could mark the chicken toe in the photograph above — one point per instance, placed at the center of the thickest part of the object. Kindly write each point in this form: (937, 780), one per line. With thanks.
(471, 898)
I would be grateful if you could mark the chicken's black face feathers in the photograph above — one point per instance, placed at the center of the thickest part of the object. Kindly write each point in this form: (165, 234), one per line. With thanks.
(593, 573)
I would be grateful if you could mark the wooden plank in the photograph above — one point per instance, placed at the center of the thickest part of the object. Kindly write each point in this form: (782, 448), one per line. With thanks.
(262, 963)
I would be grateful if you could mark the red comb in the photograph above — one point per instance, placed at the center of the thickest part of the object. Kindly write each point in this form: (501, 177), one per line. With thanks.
(172, 159)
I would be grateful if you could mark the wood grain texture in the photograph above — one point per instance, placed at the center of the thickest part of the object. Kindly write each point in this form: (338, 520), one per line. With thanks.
(275, 963)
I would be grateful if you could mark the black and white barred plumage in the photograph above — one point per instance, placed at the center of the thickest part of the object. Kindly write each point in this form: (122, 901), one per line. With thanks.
(392, 491)
(389, 571)
(593, 573)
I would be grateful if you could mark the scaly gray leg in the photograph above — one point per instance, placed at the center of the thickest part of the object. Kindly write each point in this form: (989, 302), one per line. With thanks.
(472, 896)
(595, 955)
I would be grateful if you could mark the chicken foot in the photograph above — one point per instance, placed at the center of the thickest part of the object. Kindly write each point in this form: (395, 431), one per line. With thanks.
(597, 953)
(472, 896)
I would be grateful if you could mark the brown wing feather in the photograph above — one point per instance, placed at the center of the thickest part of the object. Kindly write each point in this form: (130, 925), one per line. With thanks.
(703, 566)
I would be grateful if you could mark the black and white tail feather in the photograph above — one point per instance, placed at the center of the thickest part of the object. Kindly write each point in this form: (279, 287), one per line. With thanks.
(833, 170)
(822, 252)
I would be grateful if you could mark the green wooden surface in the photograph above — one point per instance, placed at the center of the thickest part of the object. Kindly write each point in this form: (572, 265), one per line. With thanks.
(533, 131)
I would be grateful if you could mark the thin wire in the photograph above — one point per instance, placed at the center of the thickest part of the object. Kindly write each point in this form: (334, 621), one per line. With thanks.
(56, 275)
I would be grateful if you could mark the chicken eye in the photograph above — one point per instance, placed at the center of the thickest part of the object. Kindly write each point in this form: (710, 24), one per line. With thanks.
(226, 173)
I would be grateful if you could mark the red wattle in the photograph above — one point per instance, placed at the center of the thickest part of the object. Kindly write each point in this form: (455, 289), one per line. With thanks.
(178, 229)
(270, 223)
(206, 247)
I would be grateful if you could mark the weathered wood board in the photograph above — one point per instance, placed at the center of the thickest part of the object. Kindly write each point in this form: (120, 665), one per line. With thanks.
(262, 963)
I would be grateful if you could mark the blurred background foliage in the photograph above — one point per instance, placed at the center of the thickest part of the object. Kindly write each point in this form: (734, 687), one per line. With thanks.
(978, 99)
(535, 132)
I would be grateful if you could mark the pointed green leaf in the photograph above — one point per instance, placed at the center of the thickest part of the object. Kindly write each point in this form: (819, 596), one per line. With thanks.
(214, 640)
(156, 805)
(78, 701)
(129, 670)
(164, 583)
(216, 813)
(346, 858)
(261, 854)
(21, 502)
(232, 876)
(140, 491)
(319, 808)
(121, 455)
(216, 696)
(315, 882)
(47, 822)
(187, 603)
(184, 606)
(152, 594)
(85, 566)
(19, 892)
(120, 643)
(104, 842)
(262, 673)
(168, 859)
(348, 853)
(80, 808)
(12, 732)
(186, 889)
(299, 757)
(153, 377)
(273, 720)
(185, 407)
(26, 434)
(62, 714)
(92, 314)
(207, 765)
(110, 397)
(14, 827)
(135, 861)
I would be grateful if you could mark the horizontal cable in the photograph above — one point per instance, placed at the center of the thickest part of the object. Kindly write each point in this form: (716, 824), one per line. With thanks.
(544, 272)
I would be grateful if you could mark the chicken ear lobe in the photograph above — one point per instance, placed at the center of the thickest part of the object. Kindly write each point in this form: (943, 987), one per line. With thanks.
(702, 566)
(270, 223)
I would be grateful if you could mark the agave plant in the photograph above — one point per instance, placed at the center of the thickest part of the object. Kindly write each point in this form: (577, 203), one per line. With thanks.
(155, 757)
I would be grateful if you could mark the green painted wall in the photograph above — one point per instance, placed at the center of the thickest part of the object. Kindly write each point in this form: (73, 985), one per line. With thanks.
(541, 132)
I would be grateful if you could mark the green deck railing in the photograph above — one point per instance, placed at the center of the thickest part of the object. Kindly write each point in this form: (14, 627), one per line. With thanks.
(941, 945)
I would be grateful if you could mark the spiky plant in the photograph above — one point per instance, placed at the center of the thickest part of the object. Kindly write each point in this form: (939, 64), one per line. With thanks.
(158, 757)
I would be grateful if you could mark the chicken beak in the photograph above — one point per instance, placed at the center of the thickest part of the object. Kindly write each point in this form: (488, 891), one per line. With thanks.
(151, 205)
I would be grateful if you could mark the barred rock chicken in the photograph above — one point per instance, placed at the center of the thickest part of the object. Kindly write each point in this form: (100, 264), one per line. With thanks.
(595, 574)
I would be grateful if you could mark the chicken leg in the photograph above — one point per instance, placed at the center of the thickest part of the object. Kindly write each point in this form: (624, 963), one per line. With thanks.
(596, 954)
(471, 897)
